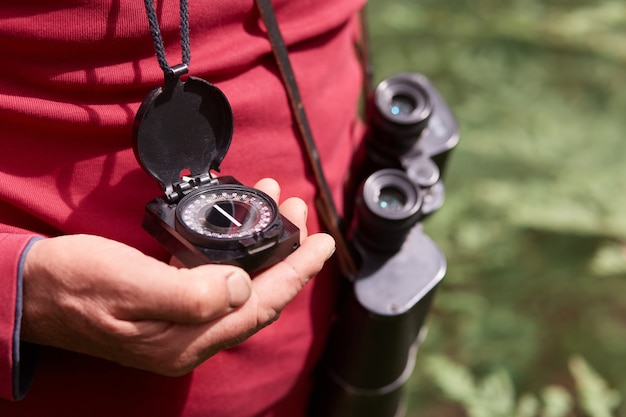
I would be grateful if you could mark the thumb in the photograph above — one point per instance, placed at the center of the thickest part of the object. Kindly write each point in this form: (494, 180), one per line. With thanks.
(192, 295)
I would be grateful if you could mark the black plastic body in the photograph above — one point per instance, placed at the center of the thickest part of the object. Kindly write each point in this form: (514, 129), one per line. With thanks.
(182, 126)
(252, 254)
(379, 325)
(375, 339)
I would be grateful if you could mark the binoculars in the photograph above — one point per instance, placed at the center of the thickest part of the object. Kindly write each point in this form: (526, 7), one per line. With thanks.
(395, 183)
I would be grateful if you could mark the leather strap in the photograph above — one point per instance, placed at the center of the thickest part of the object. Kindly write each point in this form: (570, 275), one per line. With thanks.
(324, 202)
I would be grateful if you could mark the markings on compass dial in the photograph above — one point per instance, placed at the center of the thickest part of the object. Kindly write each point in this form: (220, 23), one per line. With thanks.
(227, 215)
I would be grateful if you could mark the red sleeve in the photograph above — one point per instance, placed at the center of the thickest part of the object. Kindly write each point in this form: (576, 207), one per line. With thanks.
(11, 248)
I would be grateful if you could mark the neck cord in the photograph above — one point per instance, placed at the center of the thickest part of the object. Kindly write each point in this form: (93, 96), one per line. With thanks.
(155, 31)
(325, 205)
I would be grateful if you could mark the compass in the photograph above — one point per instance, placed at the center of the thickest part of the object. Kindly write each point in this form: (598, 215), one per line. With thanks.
(181, 134)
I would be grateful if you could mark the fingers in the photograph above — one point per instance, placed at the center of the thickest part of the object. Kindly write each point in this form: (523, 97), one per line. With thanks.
(293, 208)
(277, 286)
(270, 187)
(296, 211)
(272, 290)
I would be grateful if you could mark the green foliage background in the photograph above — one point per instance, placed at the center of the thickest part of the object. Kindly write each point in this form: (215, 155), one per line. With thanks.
(534, 226)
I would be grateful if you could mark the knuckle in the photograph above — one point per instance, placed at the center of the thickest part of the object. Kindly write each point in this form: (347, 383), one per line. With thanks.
(203, 301)
(175, 369)
(270, 317)
(295, 278)
(119, 329)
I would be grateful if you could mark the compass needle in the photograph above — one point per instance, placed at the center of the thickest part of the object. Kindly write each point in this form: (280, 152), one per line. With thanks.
(228, 216)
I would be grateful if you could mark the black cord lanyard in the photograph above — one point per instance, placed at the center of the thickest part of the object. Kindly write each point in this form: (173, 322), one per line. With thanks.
(155, 31)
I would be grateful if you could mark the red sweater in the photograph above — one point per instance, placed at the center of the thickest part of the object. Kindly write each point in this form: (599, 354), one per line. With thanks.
(73, 74)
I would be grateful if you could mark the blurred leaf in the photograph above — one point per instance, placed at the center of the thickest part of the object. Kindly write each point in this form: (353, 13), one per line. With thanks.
(610, 259)
(557, 402)
(493, 396)
(596, 398)
(528, 406)
(455, 380)
(497, 394)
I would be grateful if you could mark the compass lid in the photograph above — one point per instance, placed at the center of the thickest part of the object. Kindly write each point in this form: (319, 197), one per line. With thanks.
(184, 128)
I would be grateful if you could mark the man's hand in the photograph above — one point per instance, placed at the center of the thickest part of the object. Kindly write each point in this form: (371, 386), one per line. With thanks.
(99, 297)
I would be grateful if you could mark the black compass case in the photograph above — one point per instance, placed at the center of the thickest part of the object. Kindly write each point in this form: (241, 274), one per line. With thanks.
(181, 133)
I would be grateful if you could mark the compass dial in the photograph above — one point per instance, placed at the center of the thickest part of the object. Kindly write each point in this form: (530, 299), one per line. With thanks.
(224, 215)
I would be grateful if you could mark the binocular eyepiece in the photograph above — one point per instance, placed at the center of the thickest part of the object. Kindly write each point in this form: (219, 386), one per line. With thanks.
(411, 131)
(388, 206)
(399, 111)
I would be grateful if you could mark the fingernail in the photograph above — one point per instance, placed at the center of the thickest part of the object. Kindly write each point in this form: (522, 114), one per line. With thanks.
(239, 288)
(330, 255)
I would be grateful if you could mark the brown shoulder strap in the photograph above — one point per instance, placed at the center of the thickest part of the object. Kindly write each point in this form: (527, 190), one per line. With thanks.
(324, 201)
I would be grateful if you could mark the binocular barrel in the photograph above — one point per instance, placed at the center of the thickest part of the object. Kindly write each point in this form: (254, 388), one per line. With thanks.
(373, 343)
